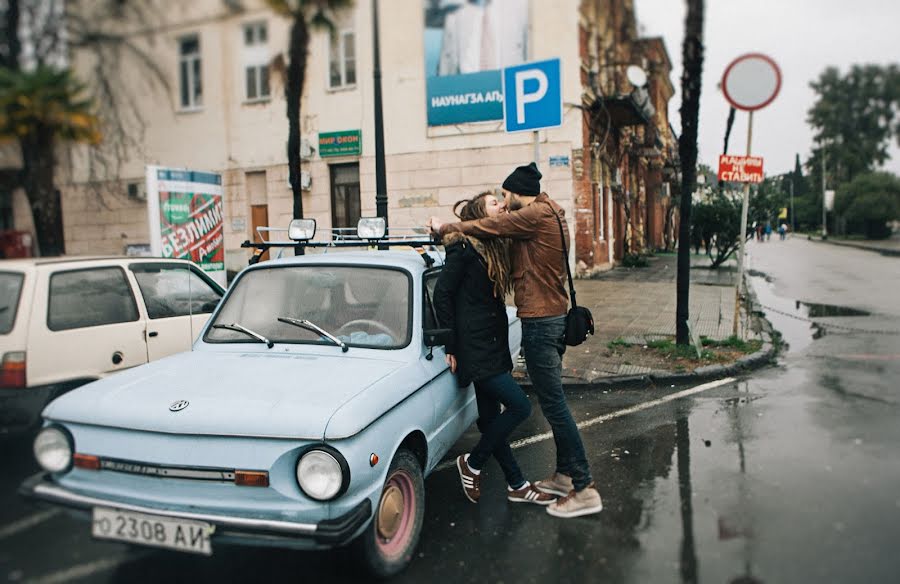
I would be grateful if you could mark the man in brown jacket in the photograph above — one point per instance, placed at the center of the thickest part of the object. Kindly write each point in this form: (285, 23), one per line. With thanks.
(540, 295)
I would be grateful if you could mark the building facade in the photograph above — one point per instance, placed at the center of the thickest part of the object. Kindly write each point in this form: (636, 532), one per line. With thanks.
(215, 102)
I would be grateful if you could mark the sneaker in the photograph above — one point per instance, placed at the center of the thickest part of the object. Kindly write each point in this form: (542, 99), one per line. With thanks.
(558, 484)
(471, 482)
(528, 494)
(577, 503)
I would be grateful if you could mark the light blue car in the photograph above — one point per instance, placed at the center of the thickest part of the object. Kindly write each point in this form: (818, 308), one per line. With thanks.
(307, 415)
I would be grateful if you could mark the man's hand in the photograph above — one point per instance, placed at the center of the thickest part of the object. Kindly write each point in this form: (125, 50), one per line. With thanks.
(435, 224)
(451, 361)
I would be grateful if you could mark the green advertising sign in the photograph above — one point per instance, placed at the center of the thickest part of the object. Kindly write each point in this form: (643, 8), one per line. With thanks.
(346, 143)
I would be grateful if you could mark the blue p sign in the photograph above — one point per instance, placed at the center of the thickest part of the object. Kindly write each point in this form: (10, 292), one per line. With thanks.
(532, 96)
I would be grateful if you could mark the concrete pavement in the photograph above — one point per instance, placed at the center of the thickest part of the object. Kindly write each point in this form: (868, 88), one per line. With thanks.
(637, 305)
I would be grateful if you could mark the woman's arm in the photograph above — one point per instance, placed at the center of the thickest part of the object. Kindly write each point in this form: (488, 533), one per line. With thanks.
(446, 289)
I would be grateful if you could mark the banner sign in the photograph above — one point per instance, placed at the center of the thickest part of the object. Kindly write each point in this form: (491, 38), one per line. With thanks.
(346, 143)
(467, 45)
(745, 169)
(186, 217)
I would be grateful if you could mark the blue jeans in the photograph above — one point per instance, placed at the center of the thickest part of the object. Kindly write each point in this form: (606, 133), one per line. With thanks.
(543, 348)
(496, 427)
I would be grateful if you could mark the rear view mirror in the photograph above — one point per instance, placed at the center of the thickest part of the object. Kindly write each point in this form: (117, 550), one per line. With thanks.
(438, 337)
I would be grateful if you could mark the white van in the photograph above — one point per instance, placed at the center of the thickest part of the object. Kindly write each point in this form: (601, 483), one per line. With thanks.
(67, 321)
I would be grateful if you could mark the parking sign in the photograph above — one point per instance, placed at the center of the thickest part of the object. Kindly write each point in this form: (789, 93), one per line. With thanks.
(532, 96)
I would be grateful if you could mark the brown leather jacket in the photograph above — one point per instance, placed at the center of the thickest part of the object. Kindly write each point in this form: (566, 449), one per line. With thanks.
(538, 272)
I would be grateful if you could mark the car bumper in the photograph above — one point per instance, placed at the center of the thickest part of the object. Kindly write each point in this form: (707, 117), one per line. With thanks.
(326, 533)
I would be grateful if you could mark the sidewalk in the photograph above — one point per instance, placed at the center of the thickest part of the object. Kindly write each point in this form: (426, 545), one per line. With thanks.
(889, 247)
(636, 305)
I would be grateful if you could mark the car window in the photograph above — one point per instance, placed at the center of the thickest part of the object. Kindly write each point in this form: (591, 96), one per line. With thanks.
(10, 290)
(174, 290)
(365, 307)
(92, 297)
(430, 316)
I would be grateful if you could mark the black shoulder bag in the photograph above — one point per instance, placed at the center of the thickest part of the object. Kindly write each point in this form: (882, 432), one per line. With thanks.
(579, 320)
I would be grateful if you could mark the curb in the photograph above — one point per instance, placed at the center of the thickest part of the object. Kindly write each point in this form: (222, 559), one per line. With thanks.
(885, 251)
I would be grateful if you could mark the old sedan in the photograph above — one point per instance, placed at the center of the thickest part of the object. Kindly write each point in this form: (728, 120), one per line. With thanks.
(307, 415)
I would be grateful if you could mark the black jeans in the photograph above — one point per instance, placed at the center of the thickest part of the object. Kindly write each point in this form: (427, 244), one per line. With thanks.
(496, 427)
(543, 348)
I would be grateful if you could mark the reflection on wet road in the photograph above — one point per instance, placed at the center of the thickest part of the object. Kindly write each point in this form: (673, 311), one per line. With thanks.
(787, 475)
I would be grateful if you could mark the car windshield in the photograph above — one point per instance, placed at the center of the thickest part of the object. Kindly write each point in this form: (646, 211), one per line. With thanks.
(361, 306)
(10, 288)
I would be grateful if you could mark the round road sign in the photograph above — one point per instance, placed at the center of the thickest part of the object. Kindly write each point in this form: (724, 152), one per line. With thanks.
(751, 82)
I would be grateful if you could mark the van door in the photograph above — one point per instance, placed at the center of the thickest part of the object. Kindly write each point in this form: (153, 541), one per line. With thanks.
(85, 324)
(179, 299)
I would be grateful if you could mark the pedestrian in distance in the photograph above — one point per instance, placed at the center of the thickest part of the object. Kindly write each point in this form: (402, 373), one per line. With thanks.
(768, 231)
(533, 223)
(782, 231)
(470, 300)
(759, 232)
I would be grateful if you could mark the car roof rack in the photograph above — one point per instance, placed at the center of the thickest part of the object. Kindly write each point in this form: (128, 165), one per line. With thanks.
(373, 234)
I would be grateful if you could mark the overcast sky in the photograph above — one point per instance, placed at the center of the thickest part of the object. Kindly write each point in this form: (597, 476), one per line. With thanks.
(803, 36)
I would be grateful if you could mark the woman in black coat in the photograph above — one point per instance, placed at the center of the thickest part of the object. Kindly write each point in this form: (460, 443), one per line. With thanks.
(469, 299)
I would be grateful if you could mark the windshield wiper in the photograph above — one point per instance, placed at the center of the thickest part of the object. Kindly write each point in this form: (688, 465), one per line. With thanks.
(305, 324)
(236, 327)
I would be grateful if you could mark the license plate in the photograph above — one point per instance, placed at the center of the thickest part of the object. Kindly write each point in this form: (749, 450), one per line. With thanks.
(165, 532)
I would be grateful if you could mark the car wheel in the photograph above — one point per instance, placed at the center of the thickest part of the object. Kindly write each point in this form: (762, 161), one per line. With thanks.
(388, 543)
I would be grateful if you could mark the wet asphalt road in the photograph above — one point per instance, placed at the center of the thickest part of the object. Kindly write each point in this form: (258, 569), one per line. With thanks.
(791, 474)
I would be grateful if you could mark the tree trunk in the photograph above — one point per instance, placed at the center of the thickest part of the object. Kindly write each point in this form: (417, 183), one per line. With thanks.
(691, 78)
(37, 178)
(10, 58)
(293, 92)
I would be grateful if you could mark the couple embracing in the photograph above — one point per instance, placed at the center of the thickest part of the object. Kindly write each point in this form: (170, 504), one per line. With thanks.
(517, 243)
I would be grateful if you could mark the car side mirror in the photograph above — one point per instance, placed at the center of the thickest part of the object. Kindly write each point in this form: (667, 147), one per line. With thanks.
(438, 337)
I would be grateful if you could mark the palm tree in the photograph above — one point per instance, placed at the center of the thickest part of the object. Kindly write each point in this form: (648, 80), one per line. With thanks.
(304, 15)
(691, 76)
(38, 109)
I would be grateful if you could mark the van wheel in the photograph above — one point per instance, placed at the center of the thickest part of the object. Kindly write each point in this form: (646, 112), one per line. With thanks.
(386, 546)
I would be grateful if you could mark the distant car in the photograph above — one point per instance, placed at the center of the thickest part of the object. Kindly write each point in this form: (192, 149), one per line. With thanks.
(67, 321)
(307, 415)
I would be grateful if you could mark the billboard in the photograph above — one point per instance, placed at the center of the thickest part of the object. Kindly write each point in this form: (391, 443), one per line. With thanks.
(186, 219)
(467, 43)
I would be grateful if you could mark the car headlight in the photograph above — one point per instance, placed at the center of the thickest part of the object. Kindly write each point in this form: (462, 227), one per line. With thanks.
(321, 475)
(53, 449)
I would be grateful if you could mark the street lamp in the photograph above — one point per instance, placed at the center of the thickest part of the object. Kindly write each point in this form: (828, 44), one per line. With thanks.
(381, 199)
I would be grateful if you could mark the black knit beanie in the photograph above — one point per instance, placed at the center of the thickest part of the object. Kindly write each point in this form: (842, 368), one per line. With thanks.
(524, 180)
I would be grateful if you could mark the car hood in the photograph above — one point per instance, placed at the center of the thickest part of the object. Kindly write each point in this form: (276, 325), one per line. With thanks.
(247, 394)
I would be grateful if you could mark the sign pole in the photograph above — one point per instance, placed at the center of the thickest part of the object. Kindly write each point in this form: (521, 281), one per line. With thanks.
(537, 149)
(743, 237)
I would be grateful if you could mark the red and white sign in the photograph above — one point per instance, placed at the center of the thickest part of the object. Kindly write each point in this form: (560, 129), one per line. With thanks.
(751, 82)
(744, 169)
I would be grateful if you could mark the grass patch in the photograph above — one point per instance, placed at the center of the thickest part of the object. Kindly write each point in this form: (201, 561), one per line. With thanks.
(735, 343)
(616, 343)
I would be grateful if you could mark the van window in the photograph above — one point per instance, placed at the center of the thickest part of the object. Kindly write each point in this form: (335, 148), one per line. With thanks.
(174, 291)
(10, 289)
(92, 297)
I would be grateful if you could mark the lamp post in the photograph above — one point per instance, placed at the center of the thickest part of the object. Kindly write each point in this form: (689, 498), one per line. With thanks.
(381, 199)
(824, 196)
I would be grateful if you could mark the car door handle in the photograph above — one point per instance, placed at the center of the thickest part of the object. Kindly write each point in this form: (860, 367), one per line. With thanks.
(153, 334)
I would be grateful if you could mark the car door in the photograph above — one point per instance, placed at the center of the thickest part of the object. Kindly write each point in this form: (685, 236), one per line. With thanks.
(454, 407)
(179, 299)
(85, 324)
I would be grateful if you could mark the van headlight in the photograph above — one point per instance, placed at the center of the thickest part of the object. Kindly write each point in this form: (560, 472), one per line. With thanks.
(53, 449)
(322, 474)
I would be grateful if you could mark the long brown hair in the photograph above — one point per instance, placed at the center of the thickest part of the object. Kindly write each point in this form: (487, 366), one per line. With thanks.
(495, 250)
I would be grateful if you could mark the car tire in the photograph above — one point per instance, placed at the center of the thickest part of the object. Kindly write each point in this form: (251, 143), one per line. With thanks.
(387, 545)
